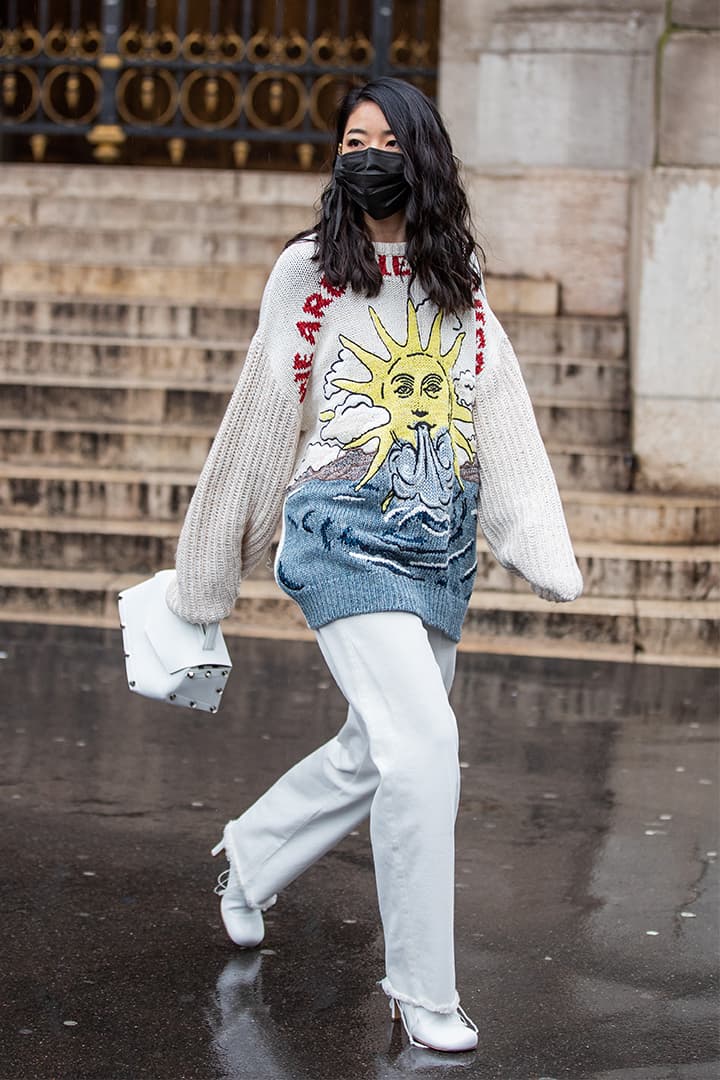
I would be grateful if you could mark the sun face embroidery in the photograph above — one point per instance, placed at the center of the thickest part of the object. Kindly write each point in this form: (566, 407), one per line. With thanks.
(413, 388)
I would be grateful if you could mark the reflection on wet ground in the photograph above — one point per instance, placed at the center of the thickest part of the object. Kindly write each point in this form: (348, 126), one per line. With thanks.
(587, 893)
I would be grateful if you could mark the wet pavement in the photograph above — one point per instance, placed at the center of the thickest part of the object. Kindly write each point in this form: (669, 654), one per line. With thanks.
(587, 876)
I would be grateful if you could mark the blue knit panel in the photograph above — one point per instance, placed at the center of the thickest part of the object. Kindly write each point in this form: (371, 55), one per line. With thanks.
(341, 555)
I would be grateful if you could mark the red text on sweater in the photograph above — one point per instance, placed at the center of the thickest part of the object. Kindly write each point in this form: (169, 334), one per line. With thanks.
(396, 267)
(316, 305)
(479, 335)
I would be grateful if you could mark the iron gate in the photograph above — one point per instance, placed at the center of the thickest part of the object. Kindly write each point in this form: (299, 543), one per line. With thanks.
(224, 82)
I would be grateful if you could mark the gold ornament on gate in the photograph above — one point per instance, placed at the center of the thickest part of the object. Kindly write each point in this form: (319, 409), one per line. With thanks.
(296, 49)
(211, 94)
(241, 152)
(176, 149)
(326, 48)
(129, 42)
(279, 81)
(261, 47)
(136, 43)
(305, 153)
(232, 47)
(9, 89)
(323, 117)
(158, 94)
(70, 93)
(72, 90)
(147, 93)
(57, 41)
(162, 44)
(214, 48)
(90, 42)
(106, 140)
(210, 97)
(360, 50)
(24, 42)
(38, 145)
(401, 49)
(275, 99)
(12, 93)
(194, 46)
(167, 43)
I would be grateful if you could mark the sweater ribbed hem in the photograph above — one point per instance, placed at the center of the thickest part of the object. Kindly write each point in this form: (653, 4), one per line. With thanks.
(371, 592)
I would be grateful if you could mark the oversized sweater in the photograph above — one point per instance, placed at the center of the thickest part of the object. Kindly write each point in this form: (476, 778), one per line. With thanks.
(382, 432)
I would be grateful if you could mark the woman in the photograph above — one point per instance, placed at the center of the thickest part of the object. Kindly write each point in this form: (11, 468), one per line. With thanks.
(381, 411)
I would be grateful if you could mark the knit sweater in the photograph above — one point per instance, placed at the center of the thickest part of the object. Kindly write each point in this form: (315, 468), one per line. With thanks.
(382, 432)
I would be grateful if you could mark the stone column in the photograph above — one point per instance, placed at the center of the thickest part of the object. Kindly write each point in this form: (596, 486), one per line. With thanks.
(550, 107)
(676, 264)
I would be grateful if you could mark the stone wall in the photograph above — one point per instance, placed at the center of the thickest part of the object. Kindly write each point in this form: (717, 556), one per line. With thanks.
(590, 136)
(676, 263)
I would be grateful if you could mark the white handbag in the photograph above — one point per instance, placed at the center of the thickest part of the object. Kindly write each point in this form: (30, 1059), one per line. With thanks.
(167, 658)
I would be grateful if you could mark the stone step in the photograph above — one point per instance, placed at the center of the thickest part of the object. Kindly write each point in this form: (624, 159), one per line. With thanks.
(142, 495)
(611, 570)
(99, 246)
(587, 421)
(564, 379)
(111, 494)
(162, 446)
(119, 445)
(646, 631)
(127, 319)
(561, 336)
(641, 571)
(93, 399)
(192, 361)
(154, 186)
(109, 360)
(557, 338)
(628, 517)
(157, 216)
(242, 285)
(195, 283)
(136, 402)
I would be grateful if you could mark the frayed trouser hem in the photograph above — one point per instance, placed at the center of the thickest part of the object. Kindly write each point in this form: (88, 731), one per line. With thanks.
(226, 844)
(422, 1003)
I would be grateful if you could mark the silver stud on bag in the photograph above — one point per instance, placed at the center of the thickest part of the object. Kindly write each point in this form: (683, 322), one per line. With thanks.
(132, 683)
(191, 674)
(172, 696)
(192, 704)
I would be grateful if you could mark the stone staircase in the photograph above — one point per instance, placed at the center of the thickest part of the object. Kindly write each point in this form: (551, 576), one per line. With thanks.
(127, 300)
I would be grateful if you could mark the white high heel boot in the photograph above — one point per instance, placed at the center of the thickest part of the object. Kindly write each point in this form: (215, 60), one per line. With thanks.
(244, 925)
(448, 1032)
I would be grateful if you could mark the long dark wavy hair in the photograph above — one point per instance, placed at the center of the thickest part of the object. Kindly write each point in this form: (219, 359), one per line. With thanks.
(438, 225)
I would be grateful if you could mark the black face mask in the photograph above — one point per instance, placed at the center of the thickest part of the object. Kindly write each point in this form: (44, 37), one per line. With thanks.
(374, 179)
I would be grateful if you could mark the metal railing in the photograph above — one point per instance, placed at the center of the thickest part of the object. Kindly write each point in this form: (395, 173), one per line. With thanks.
(135, 79)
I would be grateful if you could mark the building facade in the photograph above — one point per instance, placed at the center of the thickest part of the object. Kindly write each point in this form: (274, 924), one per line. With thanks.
(590, 134)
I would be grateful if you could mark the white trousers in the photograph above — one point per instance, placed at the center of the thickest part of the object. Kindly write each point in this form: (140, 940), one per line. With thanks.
(396, 759)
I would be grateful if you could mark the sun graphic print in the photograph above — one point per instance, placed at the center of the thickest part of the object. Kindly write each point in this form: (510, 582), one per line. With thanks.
(415, 414)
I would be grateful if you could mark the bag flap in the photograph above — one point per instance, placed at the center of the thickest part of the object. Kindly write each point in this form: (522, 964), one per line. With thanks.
(178, 644)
